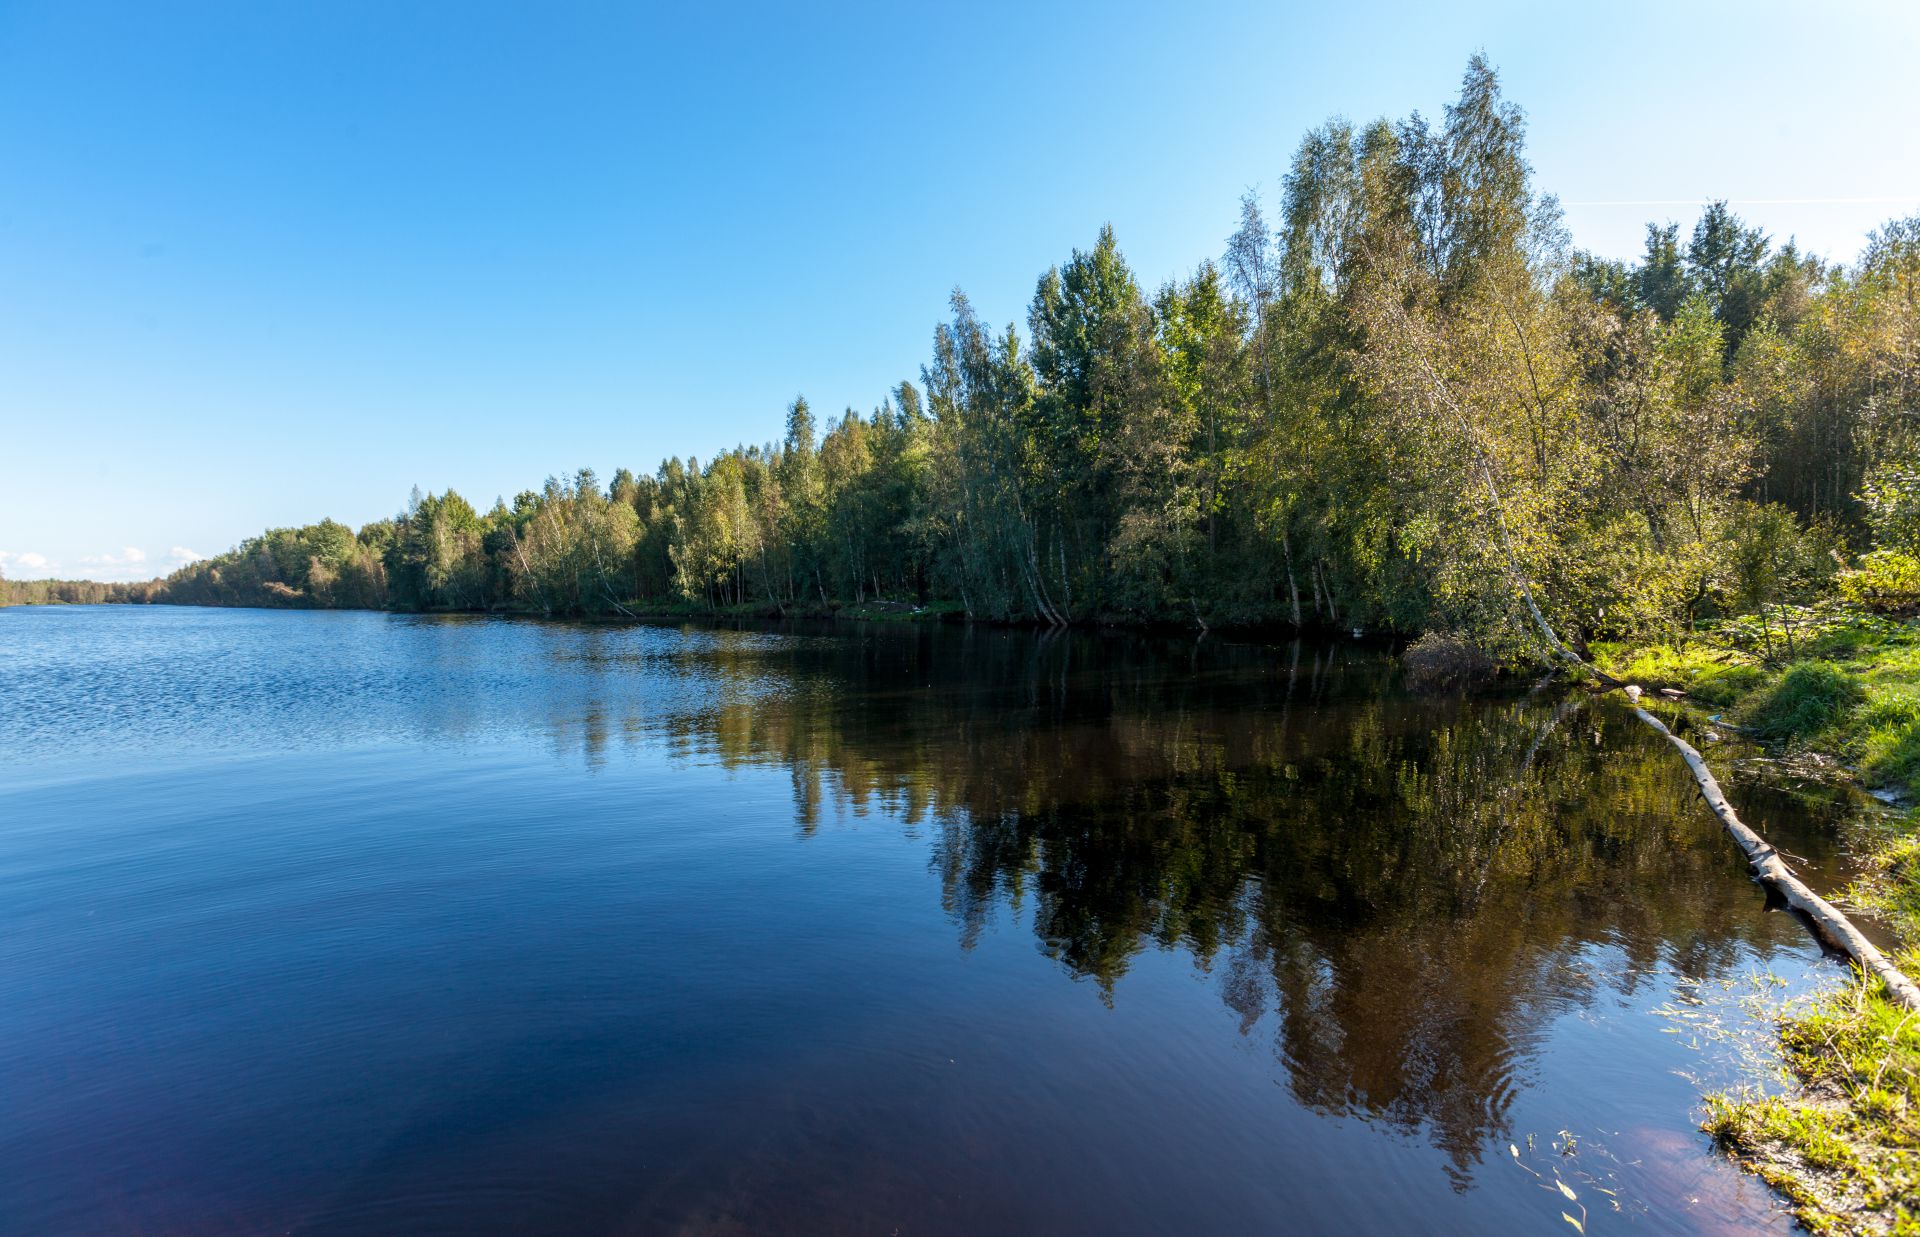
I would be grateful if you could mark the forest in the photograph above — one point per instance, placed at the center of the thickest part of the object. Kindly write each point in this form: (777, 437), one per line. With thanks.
(1402, 400)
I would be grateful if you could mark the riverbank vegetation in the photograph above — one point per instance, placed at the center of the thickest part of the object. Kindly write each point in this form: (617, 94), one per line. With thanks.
(1842, 1146)
(1402, 400)
(1833, 687)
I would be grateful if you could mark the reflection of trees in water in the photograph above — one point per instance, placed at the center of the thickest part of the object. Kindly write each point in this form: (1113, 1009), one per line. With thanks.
(1406, 887)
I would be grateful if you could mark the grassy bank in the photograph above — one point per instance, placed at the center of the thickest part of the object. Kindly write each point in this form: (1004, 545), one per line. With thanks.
(1843, 687)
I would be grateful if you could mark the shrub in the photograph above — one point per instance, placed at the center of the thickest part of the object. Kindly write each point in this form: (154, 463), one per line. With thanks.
(1891, 497)
(1436, 663)
(1772, 557)
(1887, 582)
(1810, 698)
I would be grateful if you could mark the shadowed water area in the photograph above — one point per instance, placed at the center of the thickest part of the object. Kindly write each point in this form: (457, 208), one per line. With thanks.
(361, 923)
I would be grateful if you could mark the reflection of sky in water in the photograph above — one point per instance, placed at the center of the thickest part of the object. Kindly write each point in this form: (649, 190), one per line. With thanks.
(946, 930)
(89, 686)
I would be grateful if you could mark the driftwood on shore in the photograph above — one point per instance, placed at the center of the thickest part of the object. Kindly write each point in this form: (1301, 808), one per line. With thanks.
(1770, 869)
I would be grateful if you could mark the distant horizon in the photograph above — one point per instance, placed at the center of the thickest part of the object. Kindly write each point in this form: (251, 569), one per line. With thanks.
(264, 269)
(135, 564)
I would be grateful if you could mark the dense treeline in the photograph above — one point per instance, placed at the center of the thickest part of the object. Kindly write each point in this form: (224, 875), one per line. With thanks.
(1405, 402)
(77, 592)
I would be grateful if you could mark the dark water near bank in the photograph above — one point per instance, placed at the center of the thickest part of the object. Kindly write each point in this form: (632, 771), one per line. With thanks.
(355, 923)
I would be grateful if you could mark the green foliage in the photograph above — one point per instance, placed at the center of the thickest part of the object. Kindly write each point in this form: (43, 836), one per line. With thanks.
(1407, 404)
(324, 564)
(435, 559)
(1886, 582)
(1846, 1149)
(75, 592)
(1771, 557)
(1662, 282)
(1808, 699)
(1891, 495)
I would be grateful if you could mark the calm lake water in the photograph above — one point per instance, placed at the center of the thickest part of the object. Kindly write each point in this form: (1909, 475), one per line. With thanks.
(360, 923)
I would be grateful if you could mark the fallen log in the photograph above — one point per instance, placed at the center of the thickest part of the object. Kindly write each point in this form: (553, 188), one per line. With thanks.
(1768, 867)
(1773, 871)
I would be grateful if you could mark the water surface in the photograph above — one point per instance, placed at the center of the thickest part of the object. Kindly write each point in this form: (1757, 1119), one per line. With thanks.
(360, 923)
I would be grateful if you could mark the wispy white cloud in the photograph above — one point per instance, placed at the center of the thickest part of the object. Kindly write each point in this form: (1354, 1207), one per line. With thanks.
(129, 562)
(128, 556)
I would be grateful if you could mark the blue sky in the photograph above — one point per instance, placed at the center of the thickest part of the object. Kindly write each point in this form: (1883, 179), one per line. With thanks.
(266, 262)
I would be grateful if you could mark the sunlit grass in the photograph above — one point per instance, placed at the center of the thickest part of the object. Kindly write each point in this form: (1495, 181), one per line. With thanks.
(1712, 675)
(1806, 701)
(1852, 690)
(1844, 1144)
(1889, 741)
(1843, 1147)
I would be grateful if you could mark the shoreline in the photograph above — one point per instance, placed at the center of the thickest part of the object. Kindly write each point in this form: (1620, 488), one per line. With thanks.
(1841, 1146)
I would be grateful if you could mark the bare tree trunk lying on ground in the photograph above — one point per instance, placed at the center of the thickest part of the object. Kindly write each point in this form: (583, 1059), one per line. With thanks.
(1768, 867)
(1766, 863)
(1772, 871)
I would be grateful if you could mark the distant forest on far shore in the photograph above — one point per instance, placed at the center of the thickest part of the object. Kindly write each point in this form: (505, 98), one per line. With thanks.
(1401, 399)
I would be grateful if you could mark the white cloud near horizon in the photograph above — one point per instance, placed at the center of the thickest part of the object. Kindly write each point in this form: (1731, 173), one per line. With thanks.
(127, 557)
(127, 563)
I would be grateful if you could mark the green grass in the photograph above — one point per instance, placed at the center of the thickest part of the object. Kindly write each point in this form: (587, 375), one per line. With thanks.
(1852, 691)
(1845, 1149)
(1714, 676)
(1806, 701)
(1889, 740)
(1845, 1146)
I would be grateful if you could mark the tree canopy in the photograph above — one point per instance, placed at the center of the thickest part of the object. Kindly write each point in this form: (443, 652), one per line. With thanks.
(1409, 403)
